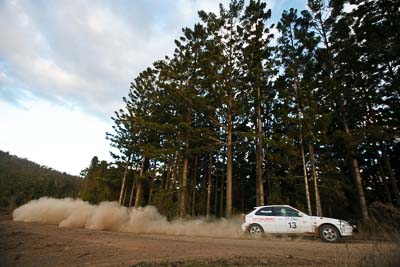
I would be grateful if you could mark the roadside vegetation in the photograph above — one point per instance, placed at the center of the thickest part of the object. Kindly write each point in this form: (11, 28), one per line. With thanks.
(22, 180)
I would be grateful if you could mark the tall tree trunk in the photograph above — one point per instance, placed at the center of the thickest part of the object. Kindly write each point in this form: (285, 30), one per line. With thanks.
(182, 199)
(150, 192)
(139, 187)
(132, 192)
(296, 87)
(216, 196)
(229, 157)
(361, 195)
(210, 163)
(193, 213)
(173, 171)
(303, 158)
(152, 182)
(393, 182)
(124, 197)
(164, 184)
(194, 182)
(168, 175)
(315, 178)
(259, 159)
(266, 173)
(383, 179)
(203, 189)
(123, 189)
(354, 164)
(221, 197)
(183, 194)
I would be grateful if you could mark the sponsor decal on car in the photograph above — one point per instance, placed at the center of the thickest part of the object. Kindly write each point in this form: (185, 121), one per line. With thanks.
(264, 219)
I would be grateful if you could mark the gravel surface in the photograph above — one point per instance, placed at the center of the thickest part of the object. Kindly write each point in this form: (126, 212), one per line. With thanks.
(31, 244)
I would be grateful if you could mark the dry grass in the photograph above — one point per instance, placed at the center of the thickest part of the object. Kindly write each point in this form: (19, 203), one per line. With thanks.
(383, 232)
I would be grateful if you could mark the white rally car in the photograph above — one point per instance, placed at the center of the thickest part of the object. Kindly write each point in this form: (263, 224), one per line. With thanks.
(283, 219)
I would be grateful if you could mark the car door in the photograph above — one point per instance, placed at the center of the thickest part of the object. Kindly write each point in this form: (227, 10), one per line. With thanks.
(288, 220)
(266, 218)
(306, 223)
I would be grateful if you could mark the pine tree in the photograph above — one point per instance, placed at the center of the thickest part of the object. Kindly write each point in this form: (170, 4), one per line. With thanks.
(258, 71)
(323, 24)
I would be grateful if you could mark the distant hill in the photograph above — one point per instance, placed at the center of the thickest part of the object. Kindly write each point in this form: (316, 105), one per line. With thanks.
(22, 180)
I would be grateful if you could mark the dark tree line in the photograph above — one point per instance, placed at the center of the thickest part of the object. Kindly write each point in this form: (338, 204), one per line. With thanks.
(240, 117)
(22, 180)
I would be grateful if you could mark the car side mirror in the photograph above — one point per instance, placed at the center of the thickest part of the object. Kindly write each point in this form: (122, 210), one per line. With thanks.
(300, 214)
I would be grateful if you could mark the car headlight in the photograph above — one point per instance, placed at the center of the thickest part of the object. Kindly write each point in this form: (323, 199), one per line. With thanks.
(344, 224)
(347, 224)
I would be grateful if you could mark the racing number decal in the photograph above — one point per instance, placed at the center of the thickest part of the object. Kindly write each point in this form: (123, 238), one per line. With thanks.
(292, 225)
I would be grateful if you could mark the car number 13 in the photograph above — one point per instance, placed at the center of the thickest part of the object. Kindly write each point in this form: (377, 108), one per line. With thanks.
(292, 225)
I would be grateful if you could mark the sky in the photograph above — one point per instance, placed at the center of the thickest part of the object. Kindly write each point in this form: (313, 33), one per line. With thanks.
(65, 66)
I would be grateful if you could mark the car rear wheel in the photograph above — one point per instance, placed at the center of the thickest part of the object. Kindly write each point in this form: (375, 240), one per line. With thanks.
(329, 233)
(256, 231)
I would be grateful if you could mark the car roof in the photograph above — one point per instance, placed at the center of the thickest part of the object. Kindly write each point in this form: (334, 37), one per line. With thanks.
(267, 206)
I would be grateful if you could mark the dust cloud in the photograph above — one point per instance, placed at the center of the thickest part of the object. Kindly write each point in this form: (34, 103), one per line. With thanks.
(111, 216)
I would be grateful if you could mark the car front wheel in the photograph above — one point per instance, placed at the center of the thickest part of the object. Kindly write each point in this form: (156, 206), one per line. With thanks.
(256, 231)
(329, 233)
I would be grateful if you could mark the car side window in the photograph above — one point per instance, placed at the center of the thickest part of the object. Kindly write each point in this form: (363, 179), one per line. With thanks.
(279, 211)
(265, 212)
(289, 212)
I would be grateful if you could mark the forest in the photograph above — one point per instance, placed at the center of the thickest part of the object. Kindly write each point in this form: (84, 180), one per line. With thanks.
(247, 112)
(22, 180)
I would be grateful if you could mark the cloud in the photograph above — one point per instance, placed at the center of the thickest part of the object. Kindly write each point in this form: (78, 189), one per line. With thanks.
(85, 54)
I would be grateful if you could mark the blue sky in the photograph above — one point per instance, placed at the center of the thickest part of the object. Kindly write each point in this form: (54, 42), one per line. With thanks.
(65, 66)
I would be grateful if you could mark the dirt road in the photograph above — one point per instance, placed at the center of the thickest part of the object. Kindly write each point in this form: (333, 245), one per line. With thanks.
(30, 244)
